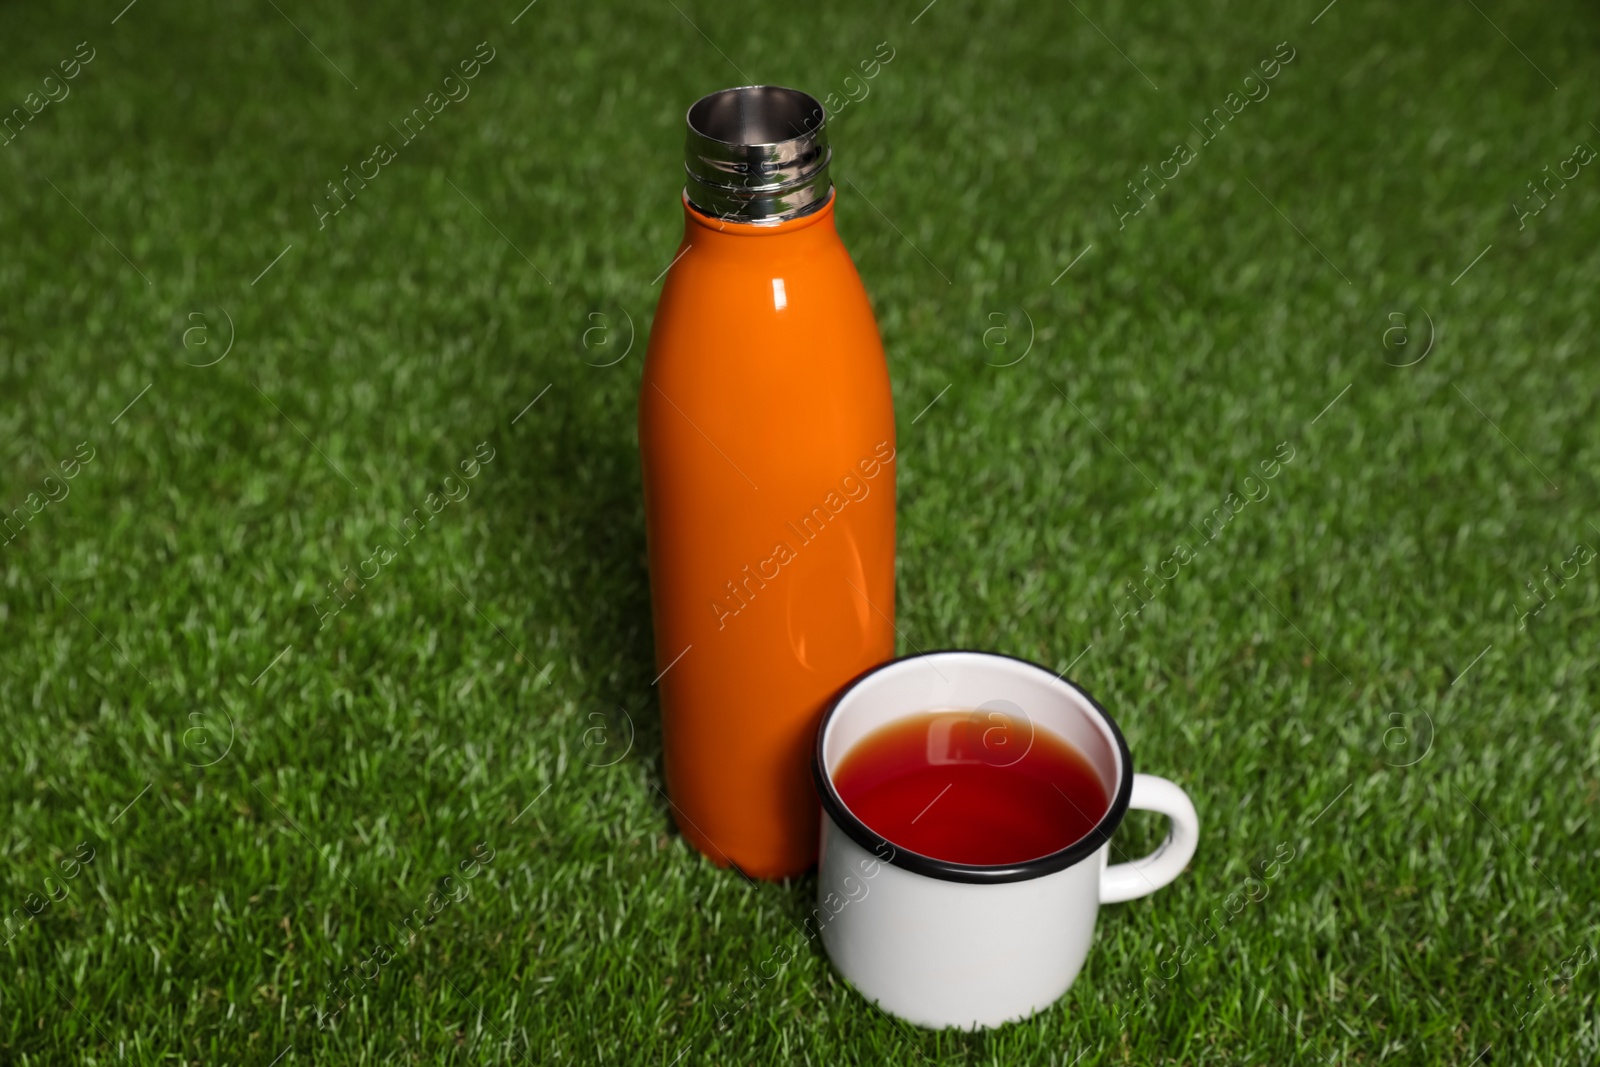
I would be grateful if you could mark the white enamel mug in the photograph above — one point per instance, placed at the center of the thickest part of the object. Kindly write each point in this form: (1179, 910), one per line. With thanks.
(945, 944)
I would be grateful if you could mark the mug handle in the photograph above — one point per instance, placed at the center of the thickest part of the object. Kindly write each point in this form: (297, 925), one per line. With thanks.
(1130, 881)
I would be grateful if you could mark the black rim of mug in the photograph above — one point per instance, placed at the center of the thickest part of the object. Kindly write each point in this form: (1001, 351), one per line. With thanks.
(947, 870)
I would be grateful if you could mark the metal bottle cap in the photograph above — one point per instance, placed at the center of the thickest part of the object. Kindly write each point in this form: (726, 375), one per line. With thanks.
(758, 154)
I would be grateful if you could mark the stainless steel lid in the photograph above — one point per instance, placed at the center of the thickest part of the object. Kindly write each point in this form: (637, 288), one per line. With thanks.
(757, 153)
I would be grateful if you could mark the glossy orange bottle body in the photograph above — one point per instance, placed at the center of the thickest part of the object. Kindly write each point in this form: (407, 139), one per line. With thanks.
(766, 430)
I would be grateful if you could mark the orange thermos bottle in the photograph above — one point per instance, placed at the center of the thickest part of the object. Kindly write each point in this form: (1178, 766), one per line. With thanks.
(766, 430)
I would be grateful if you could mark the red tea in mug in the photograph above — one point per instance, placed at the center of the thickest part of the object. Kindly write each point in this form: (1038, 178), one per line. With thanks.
(976, 787)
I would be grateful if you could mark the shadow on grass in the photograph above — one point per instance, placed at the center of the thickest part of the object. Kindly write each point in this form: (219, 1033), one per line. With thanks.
(570, 513)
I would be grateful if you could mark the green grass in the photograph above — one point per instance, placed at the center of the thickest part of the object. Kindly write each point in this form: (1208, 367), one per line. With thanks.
(480, 687)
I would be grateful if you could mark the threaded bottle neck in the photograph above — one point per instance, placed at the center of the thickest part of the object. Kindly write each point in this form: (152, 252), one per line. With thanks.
(757, 154)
